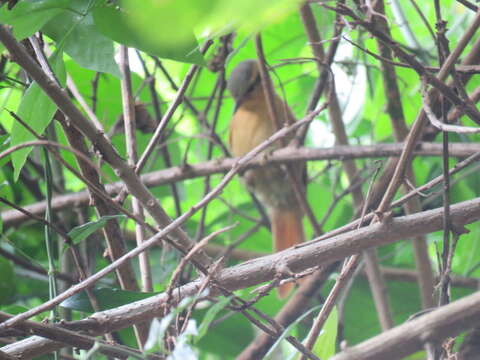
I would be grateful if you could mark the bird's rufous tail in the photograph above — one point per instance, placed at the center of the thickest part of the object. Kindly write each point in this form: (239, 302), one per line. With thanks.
(287, 230)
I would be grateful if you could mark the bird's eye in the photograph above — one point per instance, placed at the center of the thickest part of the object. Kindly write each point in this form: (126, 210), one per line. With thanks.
(254, 84)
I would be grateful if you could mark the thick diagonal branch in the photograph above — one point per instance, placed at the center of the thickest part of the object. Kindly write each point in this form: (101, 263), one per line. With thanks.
(265, 269)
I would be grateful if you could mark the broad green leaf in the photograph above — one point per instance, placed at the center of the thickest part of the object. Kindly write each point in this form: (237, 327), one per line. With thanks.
(80, 38)
(37, 110)
(167, 28)
(467, 258)
(107, 298)
(10, 189)
(116, 25)
(420, 355)
(181, 15)
(4, 143)
(14, 309)
(361, 324)
(81, 232)
(324, 346)
(28, 16)
(247, 16)
(210, 315)
(289, 328)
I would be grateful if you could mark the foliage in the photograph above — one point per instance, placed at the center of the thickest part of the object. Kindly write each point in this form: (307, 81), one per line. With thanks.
(81, 39)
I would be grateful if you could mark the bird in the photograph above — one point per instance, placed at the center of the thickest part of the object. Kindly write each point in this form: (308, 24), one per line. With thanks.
(251, 125)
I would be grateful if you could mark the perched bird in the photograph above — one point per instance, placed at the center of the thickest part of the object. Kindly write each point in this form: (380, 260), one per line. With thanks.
(250, 126)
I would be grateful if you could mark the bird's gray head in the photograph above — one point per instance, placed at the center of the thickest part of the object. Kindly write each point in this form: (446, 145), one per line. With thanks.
(243, 79)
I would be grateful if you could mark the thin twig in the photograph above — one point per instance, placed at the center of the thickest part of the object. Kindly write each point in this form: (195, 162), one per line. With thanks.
(131, 145)
(163, 232)
(217, 166)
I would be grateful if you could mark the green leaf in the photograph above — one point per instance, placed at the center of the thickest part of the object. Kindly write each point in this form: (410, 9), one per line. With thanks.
(210, 315)
(324, 346)
(28, 16)
(420, 355)
(14, 309)
(181, 15)
(81, 232)
(81, 39)
(107, 298)
(116, 25)
(4, 143)
(37, 110)
(289, 329)
(250, 16)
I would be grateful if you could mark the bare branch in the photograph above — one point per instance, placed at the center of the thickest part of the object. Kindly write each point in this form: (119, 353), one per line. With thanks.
(217, 166)
(297, 259)
(449, 320)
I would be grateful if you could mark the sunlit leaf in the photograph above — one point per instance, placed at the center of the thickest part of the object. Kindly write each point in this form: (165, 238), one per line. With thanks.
(28, 16)
(119, 27)
(288, 330)
(248, 16)
(37, 110)
(81, 232)
(324, 346)
(80, 38)
(210, 316)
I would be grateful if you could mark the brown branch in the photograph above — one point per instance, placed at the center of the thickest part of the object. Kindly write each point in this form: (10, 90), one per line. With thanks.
(217, 166)
(297, 259)
(441, 125)
(158, 117)
(468, 5)
(437, 82)
(409, 275)
(141, 332)
(346, 274)
(296, 306)
(416, 192)
(110, 155)
(75, 253)
(73, 339)
(220, 86)
(376, 281)
(78, 96)
(131, 145)
(201, 244)
(273, 112)
(111, 230)
(473, 57)
(400, 131)
(447, 321)
(165, 231)
(391, 273)
(167, 116)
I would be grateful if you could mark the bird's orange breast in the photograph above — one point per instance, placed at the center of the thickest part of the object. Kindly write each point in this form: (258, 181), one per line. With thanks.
(251, 124)
(248, 129)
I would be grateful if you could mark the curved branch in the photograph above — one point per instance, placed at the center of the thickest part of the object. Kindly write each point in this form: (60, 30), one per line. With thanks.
(179, 173)
(264, 269)
(449, 320)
